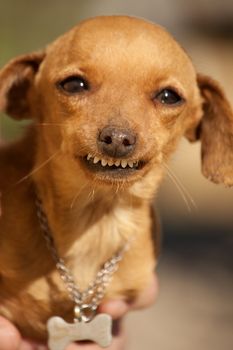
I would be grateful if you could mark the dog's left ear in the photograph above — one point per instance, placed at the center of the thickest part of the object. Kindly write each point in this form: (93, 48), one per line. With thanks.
(16, 80)
(215, 131)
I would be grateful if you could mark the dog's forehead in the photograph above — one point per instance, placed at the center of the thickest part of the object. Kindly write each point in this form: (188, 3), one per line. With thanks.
(106, 43)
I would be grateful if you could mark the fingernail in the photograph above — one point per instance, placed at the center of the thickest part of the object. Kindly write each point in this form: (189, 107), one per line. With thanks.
(116, 308)
(9, 338)
(29, 345)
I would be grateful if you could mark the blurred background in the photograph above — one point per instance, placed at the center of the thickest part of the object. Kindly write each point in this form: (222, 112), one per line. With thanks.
(195, 307)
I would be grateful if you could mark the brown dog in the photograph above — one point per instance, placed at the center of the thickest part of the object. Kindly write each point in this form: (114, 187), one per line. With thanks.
(109, 102)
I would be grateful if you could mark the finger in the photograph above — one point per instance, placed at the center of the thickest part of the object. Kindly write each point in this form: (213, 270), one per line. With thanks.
(29, 345)
(24, 345)
(117, 344)
(147, 297)
(119, 307)
(116, 308)
(9, 335)
(118, 340)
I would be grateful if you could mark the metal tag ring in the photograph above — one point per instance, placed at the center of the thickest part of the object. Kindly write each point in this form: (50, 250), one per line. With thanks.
(84, 313)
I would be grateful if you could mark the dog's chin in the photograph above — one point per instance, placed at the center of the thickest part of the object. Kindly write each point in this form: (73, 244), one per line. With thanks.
(110, 171)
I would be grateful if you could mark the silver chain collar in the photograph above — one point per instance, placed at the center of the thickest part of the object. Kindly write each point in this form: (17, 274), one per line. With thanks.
(86, 302)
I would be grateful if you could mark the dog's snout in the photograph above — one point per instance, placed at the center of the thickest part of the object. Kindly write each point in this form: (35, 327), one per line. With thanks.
(116, 142)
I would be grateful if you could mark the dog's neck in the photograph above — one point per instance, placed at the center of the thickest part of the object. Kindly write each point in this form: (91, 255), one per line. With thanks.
(77, 206)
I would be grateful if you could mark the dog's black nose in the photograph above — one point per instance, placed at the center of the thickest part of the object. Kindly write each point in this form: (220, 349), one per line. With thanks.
(116, 142)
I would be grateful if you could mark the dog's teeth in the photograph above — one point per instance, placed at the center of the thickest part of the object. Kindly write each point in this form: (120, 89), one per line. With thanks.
(130, 164)
(117, 163)
(104, 162)
(96, 160)
(89, 157)
(124, 163)
(110, 162)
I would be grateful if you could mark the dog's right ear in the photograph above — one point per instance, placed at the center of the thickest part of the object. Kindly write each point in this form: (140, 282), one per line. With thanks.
(16, 80)
(215, 131)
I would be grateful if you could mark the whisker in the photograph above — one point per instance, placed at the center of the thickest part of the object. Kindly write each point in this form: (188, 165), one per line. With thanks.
(184, 188)
(36, 169)
(122, 185)
(189, 201)
(46, 124)
(92, 193)
(117, 188)
(66, 114)
(76, 196)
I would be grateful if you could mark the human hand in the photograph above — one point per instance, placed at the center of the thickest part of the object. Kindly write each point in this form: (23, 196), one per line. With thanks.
(10, 338)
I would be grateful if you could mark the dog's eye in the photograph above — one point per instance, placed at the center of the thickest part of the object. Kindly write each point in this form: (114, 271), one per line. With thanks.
(169, 97)
(74, 85)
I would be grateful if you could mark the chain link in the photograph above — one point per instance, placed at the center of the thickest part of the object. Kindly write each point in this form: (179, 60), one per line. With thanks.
(93, 295)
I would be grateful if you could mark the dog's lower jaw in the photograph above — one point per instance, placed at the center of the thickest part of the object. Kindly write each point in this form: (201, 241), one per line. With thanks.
(117, 176)
(119, 173)
(146, 188)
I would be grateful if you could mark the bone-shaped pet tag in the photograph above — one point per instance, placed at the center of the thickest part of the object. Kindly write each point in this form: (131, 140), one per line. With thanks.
(61, 333)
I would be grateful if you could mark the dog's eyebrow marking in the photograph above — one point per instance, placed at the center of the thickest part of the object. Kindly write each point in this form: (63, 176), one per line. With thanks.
(45, 124)
(61, 333)
(68, 71)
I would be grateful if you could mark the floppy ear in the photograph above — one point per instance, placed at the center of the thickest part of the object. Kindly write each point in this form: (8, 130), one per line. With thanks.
(16, 79)
(215, 131)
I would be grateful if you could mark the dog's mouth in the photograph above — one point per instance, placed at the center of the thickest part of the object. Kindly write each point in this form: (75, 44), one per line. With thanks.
(112, 167)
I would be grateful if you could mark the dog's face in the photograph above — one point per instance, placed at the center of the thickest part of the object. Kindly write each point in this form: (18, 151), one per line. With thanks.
(124, 92)
(118, 93)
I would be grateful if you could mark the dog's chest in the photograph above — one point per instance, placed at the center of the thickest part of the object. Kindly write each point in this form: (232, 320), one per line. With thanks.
(88, 253)
(46, 295)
